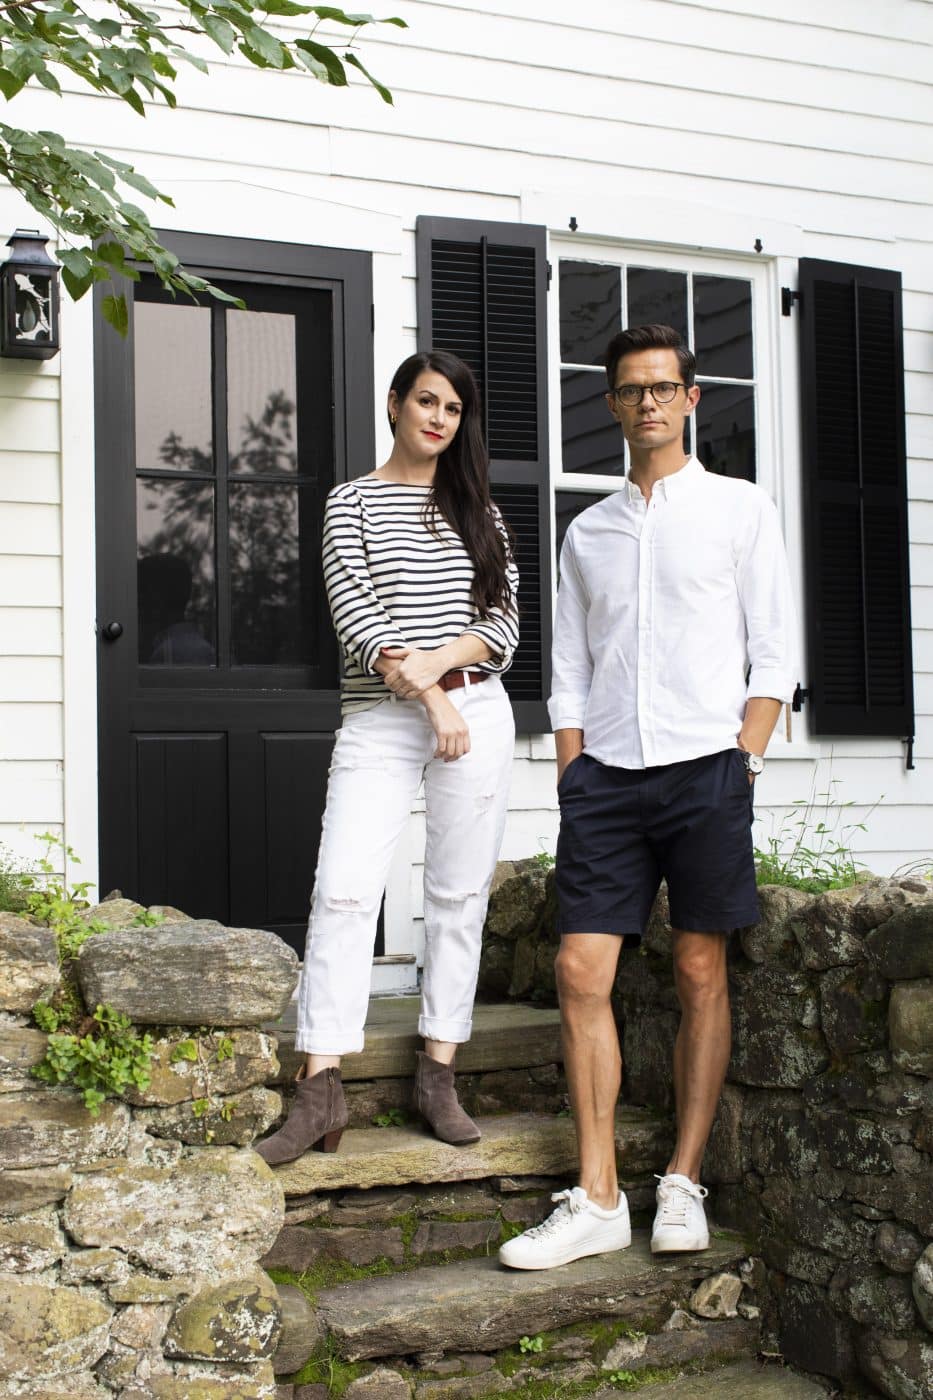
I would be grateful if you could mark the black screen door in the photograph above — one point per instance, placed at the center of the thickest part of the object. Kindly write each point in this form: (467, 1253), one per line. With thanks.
(219, 433)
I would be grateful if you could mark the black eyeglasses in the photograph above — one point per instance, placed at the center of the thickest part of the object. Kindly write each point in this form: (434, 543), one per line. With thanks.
(631, 395)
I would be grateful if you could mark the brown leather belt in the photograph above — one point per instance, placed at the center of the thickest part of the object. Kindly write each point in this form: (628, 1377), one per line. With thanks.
(453, 680)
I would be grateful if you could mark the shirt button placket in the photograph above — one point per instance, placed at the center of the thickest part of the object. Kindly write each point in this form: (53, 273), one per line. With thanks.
(645, 635)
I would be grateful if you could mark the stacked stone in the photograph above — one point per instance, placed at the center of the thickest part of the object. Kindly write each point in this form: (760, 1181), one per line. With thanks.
(519, 941)
(130, 1241)
(823, 1149)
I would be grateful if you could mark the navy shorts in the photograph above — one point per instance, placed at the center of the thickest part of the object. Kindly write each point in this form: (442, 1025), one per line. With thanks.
(623, 830)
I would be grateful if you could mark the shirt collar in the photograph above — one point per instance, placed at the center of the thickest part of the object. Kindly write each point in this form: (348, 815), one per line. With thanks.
(670, 486)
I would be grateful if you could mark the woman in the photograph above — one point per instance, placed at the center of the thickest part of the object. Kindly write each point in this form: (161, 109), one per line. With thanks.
(422, 590)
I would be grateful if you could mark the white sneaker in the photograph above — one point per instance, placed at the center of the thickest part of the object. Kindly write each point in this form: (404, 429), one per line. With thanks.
(576, 1228)
(680, 1222)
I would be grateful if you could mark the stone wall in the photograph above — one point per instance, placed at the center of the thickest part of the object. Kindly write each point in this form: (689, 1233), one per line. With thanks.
(130, 1241)
(823, 1148)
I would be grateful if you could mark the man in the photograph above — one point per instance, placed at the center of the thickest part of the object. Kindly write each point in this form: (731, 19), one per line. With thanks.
(673, 653)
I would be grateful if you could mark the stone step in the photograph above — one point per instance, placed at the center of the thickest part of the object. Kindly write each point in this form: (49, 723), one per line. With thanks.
(516, 1144)
(745, 1380)
(505, 1036)
(476, 1305)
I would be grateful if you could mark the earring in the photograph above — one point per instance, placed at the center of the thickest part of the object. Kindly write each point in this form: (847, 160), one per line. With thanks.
(393, 419)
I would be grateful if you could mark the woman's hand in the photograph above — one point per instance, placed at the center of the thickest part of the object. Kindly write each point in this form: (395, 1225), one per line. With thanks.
(450, 728)
(412, 672)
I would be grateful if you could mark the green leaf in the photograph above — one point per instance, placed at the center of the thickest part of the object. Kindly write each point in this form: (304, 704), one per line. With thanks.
(260, 41)
(222, 32)
(76, 260)
(336, 73)
(76, 286)
(10, 85)
(184, 1050)
(382, 90)
(116, 313)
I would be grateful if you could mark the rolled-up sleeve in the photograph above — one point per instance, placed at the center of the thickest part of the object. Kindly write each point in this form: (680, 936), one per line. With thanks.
(763, 580)
(499, 628)
(361, 622)
(572, 662)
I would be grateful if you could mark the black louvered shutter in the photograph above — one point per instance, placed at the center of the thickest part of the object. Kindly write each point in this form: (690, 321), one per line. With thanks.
(855, 500)
(482, 293)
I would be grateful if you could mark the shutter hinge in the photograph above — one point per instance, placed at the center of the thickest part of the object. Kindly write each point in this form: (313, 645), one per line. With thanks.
(909, 764)
(787, 300)
(799, 696)
(372, 316)
(550, 272)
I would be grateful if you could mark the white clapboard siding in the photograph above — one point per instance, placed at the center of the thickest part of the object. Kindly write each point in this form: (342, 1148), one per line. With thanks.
(28, 475)
(816, 118)
(35, 582)
(30, 730)
(28, 678)
(30, 791)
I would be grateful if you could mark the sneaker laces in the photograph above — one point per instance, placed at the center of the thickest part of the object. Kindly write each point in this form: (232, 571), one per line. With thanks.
(569, 1203)
(674, 1199)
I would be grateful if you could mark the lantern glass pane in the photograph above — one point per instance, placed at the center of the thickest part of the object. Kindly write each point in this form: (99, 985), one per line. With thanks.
(33, 308)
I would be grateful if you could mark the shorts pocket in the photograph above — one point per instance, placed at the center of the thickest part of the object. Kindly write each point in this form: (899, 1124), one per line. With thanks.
(568, 772)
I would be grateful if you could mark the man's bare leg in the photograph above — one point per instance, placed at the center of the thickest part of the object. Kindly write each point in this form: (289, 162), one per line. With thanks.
(586, 968)
(702, 1048)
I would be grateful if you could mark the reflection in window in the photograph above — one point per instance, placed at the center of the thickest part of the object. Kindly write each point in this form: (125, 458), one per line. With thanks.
(175, 572)
(722, 327)
(726, 430)
(657, 297)
(590, 311)
(567, 506)
(261, 392)
(273, 530)
(172, 352)
(592, 439)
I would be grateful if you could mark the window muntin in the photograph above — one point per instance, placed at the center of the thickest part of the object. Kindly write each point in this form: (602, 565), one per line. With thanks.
(714, 314)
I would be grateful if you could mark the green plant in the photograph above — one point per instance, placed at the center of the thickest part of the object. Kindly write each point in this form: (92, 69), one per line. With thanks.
(148, 918)
(625, 1380)
(811, 850)
(544, 859)
(530, 1344)
(129, 51)
(99, 1064)
(13, 886)
(51, 901)
(392, 1118)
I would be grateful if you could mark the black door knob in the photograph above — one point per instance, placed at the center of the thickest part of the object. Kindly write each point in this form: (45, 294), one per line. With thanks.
(112, 632)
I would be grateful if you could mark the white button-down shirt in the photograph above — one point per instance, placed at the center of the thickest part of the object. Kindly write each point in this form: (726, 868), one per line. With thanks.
(664, 609)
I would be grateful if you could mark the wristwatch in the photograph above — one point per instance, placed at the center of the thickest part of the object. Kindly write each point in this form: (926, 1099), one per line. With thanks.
(754, 763)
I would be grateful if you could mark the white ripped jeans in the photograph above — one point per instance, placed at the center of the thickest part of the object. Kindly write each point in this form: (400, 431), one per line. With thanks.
(380, 759)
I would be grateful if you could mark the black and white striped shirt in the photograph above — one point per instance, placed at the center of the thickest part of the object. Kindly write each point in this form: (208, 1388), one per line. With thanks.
(393, 582)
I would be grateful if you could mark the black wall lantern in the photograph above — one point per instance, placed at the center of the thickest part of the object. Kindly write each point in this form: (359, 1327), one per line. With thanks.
(29, 287)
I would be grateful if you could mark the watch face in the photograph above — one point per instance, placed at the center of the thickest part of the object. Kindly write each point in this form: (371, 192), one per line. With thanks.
(754, 763)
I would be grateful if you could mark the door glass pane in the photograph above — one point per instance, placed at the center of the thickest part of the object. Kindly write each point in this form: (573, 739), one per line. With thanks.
(590, 311)
(261, 392)
(591, 437)
(172, 349)
(726, 429)
(274, 573)
(567, 506)
(722, 327)
(175, 572)
(657, 298)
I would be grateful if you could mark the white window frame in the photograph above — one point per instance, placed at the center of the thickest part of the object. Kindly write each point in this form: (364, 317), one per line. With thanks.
(777, 430)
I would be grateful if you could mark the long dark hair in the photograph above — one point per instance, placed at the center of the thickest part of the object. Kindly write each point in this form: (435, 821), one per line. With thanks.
(461, 479)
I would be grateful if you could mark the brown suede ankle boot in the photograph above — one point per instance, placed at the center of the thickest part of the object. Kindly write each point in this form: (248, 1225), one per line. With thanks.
(435, 1098)
(317, 1119)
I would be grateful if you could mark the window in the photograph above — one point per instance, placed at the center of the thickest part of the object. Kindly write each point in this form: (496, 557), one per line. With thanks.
(710, 305)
